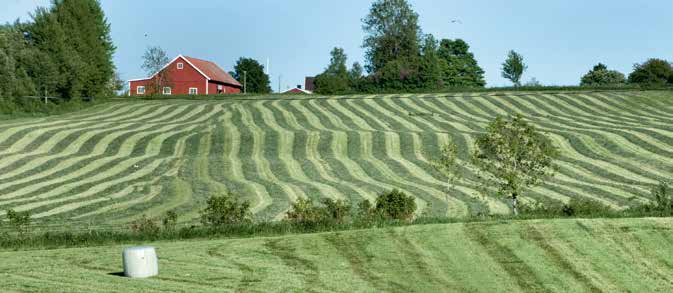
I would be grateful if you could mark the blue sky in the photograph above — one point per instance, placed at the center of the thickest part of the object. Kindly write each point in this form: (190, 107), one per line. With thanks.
(560, 40)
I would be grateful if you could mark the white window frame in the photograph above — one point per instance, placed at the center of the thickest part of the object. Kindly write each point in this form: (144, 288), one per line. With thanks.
(181, 65)
(140, 89)
(196, 91)
(169, 90)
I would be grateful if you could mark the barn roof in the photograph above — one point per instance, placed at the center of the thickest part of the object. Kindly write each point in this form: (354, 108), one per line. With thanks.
(212, 71)
(208, 69)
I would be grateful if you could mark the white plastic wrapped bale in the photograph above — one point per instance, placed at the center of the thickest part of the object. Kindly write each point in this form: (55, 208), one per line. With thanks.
(140, 262)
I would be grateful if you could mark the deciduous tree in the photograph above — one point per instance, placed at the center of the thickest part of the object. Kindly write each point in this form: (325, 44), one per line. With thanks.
(652, 72)
(514, 67)
(601, 76)
(154, 59)
(392, 32)
(461, 69)
(251, 72)
(513, 156)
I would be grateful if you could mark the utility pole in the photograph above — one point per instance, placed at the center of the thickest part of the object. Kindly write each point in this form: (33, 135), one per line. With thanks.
(245, 81)
(279, 76)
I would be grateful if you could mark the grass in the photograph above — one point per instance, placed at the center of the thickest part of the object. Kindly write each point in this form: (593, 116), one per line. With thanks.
(118, 160)
(571, 255)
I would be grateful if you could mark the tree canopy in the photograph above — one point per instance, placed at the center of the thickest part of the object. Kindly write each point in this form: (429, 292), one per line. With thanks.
(392, 32)
(601, 76)
(513, 67)
(335, 79)
(66, 51)
(652, 72)
(251, 72)
(514, 156)
(461, 69)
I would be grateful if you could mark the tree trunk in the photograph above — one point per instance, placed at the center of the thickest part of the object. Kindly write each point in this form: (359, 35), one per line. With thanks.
(515, 204)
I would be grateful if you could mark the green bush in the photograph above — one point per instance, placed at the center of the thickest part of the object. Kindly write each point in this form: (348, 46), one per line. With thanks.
(336, 211)
(170, 220)
(585, 208)
(662, 204)
(576, 207)
(225, 209)
(145, 226)
(20, 221)
(601, 76)
(395, 205)
(654, 72)
(304, 211)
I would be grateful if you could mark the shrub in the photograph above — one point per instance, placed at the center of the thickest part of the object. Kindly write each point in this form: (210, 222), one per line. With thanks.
(395, 205)
(304, 211)
(653, 72)
(225, 209)
(662, 205)
(170, 220)
(576, 207)
(601, 76)
(585, 207)
(145, 226)
(336, 211)
(20, 221)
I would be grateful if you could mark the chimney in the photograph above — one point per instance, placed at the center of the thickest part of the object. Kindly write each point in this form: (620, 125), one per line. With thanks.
(299, 86)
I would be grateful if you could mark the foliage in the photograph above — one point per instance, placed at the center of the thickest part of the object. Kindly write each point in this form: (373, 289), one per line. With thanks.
(431, 65)
(170, 220)
(251, 72)
(449, 166)
(20, 221)
(337, 211)
(395, 205)
(330, 212)
(654, 72)
(154, 60)
(514, 156)
(576, 207)
(513, 67)
(461, 68)
(335, 79)
(304, 211)
(20, 107)
(225, 209)
(601, 76)
(145, 226)
(355, 73)
(73, 39)
(392, 33)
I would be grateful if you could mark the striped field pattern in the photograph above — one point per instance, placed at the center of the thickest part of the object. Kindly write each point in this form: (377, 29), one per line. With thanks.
(115, 162)
(568, 255)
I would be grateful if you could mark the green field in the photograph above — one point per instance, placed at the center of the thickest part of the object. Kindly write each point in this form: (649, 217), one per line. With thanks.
(116, 161)
(573, 255)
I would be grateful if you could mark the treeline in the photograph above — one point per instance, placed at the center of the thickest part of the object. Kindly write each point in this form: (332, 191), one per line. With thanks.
(64, 51)
(400, 58)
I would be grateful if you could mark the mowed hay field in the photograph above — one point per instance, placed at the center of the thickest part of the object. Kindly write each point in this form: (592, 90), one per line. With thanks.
(617, 255)
(115, 162)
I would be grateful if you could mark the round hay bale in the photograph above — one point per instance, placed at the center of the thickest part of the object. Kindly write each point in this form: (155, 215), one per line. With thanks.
(140, 262)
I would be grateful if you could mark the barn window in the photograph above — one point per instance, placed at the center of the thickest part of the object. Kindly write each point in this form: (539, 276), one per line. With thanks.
(181, 66)
(193, 91)
(140, 90)
(167, 90)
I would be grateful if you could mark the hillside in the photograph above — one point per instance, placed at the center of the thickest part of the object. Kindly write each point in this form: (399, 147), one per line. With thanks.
(112, 163)
(548, 255)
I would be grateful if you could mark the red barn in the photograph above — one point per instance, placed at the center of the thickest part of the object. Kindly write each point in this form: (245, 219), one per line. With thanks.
(186, 76)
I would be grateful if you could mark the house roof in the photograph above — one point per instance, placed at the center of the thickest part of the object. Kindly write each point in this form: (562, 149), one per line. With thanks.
(206, 68)
(212, 71)
(297, 90)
